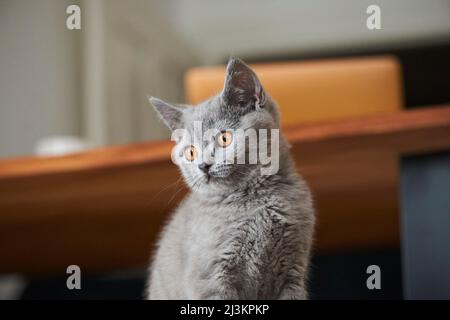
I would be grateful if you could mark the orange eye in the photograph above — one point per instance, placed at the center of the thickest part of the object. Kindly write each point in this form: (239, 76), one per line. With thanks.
(190, 153)
(224, 139)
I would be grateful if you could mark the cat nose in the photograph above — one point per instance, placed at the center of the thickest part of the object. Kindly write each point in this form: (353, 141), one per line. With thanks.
(204, 167)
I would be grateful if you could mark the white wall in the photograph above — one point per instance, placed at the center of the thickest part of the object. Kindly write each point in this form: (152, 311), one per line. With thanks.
(220, 28)
(39, 74)
(131, 51)
(91, 83)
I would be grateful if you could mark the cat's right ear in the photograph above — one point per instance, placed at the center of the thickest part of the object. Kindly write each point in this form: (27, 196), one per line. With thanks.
(171, 115)
(242, 87)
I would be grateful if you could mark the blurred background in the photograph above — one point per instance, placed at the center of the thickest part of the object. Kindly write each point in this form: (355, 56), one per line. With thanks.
(69, 90)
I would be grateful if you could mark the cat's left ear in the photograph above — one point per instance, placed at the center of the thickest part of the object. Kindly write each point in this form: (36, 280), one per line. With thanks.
(171, 115)
(242, 87)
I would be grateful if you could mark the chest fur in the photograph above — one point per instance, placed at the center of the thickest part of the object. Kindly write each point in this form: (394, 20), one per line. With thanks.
(249, 239)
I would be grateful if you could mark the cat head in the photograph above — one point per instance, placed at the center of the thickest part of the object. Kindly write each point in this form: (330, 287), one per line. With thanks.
(220, 141)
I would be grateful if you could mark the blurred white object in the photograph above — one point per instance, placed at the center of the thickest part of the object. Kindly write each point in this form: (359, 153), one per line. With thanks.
(60, 145)
(11, 287)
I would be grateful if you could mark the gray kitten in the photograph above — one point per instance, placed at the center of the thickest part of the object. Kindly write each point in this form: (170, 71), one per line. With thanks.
(238, 234)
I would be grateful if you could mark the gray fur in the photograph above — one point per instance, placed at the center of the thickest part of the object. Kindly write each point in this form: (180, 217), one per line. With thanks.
(238, 234)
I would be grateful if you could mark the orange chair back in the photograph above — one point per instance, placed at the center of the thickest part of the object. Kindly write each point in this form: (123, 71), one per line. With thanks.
(316, 90)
